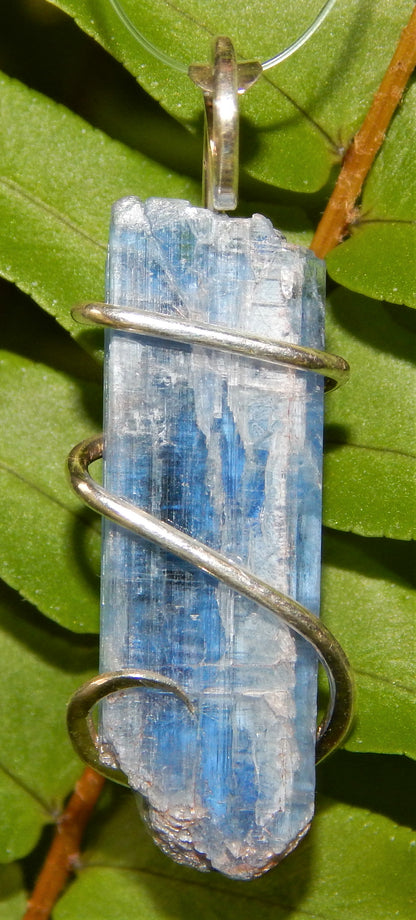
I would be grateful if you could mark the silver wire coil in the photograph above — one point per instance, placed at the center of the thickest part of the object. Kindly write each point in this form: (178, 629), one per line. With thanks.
(337, 720)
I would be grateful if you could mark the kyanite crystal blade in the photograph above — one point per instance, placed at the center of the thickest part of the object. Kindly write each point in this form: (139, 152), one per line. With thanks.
(228, 449)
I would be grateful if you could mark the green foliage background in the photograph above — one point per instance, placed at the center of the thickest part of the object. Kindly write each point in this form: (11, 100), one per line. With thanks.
(76, 133)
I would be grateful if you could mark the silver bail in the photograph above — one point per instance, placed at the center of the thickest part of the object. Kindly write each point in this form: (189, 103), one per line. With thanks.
(221, 84)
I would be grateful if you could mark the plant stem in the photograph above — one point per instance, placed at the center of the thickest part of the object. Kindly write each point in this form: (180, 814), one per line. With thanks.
(340, 210)
(64, 852)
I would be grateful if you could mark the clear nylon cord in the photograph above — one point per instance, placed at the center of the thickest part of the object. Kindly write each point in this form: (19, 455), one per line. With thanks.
(183, 68)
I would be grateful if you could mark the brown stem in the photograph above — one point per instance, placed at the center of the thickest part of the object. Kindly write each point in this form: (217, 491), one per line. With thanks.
(360, 155)
(64, 851)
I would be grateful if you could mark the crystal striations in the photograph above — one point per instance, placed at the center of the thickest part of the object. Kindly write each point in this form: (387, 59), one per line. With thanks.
(229, 450)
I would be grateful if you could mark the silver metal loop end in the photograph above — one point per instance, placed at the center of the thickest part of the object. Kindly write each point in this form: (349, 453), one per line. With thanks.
(221, 84)
(81, 728)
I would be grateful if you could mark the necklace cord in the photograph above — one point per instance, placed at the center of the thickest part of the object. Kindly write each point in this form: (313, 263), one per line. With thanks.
(183, 68)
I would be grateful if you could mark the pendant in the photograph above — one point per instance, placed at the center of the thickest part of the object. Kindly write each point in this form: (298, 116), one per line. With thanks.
(228, 449)
(212, 494)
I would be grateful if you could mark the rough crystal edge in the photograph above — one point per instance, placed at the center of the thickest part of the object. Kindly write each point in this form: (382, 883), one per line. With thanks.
(185, 854)
(127, 216)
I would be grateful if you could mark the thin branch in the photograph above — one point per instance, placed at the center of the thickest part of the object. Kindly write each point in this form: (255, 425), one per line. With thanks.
(339, 212)
(64, 852)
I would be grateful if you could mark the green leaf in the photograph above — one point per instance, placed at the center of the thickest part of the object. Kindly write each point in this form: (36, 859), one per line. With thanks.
(12, 894)
(379, 258)
(30, 332)
(376, 782)
(41, 666)
(351, 865)
(370, 492)
(56, 198)
(49, 544)
(298, 116)
(368, 602)
(370, 460)
(56, 211)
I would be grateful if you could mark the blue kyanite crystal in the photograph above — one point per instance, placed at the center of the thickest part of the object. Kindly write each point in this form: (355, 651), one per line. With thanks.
(229, 450)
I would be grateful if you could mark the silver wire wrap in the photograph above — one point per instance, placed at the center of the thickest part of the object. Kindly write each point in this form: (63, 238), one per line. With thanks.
(141, 322)
(338, 717)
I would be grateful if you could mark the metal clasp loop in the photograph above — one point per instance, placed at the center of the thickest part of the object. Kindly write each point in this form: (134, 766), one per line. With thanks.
(221, 83)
